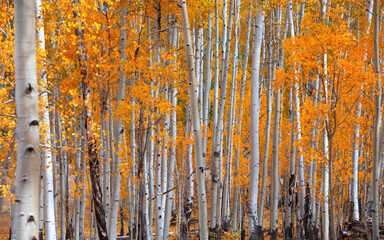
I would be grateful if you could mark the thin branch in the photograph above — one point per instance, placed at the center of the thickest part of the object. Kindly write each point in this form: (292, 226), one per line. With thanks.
(7, 115)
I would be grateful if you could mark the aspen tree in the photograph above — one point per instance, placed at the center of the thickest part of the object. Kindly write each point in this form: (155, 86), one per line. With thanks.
(217, 182)
(289, 227)
(26, 214)
(325, 188)
(65, 228)
(226, 210)
(172, 150)
(189, 186)
(377, 150)
(201, 73)
(118, 128)
(356, 145)
(313, 217)
(328, 217)
(207, 92)
(215, 87)
(164, 163)
(151, 152)
(212, 224)
(355, 168)
(236, 192)
(159, 190)
(268, 49)
(199, 163)
(147, 228)
(255, 110)
(41, 208)
(82, 175)
(90, 138)
(275, 167)
(49, 205)
(79, 201)
(198, 63)
(301, 185)
(325, 167)
(105, 154)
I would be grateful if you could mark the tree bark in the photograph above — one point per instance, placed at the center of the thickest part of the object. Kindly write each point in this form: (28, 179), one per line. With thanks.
(236, 192)
(199, 163)
(275, 185)
(376, 147)
(27, 197)
(255, 109)
(118, 128)
(94, 163)
(49, 205)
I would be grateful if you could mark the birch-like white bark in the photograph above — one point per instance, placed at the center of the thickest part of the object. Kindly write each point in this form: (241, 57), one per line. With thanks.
(27, 195)
(151, 150)
(164, 165)
(159, 192)
(118, 130)
(355, 168)
(49, 205)
(41, 207)
(275, 185)
(197, 43)
(217, 177)
(207, 92)
(172, 149)
(292, 168)
(266, 147)
(226, 210)
(313, 167)
(325, 183)
(255, 110)
(199, 160)
(216, 81)
(62, 164)
(301, 182)
(215, 115)
(107, 188)
(76, 201)
(83, 168)
(236, 193)
(216, 141)
(201, 73)
(377, 156)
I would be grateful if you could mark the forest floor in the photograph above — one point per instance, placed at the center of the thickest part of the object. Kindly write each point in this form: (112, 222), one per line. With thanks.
(5, 225)
(4, 221)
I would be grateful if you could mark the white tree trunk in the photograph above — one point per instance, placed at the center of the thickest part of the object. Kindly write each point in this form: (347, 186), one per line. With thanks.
(172, 150)
(275, 185)
(325, 178)
(199, 163)
(207, 102)
(255, 110)
(26, 217)
(49, 204)
(159, 192)
(215, 113)
(377, 156)
(118, 131)
(217, 182)
(265, 155)
(236, 192)
(151, 154)
(355, 168)
(226, 210)
(301, 185)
